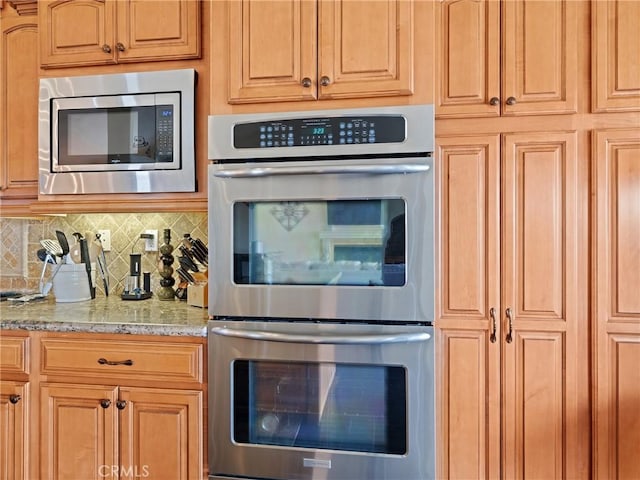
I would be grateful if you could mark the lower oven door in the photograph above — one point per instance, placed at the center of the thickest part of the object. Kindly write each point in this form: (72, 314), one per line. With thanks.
(321, 401)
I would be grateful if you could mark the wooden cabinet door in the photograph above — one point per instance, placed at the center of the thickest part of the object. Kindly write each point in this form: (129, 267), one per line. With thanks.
(272, 51)
(616, 303)
(539, 57)
(468, 58)
(78, 431)
(18, 107)
(468, 305)
(531, 69)
(615, 55)
(365, 48)
(76, 32)
(161, 433)
(541, 251)
(14, 414)
(158, 30)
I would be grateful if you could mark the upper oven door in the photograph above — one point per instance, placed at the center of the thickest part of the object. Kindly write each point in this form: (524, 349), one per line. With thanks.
(328, 239)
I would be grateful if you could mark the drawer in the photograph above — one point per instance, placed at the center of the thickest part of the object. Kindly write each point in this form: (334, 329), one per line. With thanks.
(14, 354)
(140, 360)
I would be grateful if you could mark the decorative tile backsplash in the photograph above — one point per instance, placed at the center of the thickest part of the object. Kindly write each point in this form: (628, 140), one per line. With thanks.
(20, 268)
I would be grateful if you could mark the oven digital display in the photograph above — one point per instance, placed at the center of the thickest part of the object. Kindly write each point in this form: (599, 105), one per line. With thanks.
(321, 131)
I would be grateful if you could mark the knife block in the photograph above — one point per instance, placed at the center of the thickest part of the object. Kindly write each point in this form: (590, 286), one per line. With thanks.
(198, 295)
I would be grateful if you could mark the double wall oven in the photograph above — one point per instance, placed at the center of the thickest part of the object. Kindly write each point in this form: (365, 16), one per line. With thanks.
(322, 295)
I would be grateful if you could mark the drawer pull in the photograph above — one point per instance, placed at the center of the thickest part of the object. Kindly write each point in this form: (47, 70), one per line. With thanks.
(14, 398)
(104, 361)
(105, 402)
(120, 404)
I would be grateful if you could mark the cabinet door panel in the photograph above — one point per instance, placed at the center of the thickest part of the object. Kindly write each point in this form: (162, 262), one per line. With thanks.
(161, 433)
(615, 55)
(14, 429)
(540, 50)
(18, 108)
(468, 273)
(272, 48)
(540, 265)
(468, 54)
(365, 48)
(616, 168)
(78, 437)
(73, 32)
(159, 30)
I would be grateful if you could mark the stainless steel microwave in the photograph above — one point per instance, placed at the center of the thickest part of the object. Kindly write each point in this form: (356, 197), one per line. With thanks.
(118, 133)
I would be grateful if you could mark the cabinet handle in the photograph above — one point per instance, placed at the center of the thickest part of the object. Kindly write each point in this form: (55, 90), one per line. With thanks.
(325, 81)
(492, 314)
(511, 101)
(14, 398)
(306, 82)
(120, 47)
(120, 404)
(494, 101)
(106, 48)
(510, 331)
(104, 361)
(105, 402)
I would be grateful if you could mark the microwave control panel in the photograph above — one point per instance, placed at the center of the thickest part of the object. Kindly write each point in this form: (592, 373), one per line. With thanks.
(341, 130)
(164, 133)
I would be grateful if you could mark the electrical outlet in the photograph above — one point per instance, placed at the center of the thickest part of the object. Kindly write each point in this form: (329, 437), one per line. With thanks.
(151, 244)
(105, 239)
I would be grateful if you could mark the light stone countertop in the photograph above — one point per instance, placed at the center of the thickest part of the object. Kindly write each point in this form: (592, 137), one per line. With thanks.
(107, 315)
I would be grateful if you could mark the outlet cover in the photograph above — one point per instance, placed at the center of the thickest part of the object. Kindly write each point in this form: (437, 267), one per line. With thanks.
(105, 239)
(151, 244)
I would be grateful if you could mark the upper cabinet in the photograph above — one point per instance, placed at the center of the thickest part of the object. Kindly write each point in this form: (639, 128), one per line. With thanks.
(506, 58)
(98, 32)
(18, 108)
(616, 56)
(292, 51)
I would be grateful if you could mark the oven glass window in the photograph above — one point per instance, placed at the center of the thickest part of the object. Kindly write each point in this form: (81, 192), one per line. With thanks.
(337, 242)
(320, 405)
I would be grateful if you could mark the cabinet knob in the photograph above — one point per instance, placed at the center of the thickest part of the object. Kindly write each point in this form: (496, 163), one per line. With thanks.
(105, 402)
(120, 404)
(14, 398)
(306, 82)
(120, 47)
(511, 101)
(494, 101)
(325, 81)
(106, 48)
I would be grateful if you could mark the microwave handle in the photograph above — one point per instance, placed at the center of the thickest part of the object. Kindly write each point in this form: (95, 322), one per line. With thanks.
(322, 339)
(328, 169)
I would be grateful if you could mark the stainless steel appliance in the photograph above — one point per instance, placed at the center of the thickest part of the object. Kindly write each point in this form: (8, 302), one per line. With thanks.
(117, 133)
(322, 295)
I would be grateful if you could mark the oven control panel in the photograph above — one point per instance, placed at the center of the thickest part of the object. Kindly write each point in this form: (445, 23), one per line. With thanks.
(341, 130)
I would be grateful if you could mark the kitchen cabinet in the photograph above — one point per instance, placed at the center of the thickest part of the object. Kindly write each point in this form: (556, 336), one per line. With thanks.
(99, 32)
(18, 109)
(511, 306)
(616, 56)
(315, 50)
(126, 426)
(615, 302)
(14, 407)
(506, 58)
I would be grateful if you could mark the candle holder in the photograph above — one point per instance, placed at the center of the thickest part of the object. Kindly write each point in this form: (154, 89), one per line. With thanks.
(165, 268)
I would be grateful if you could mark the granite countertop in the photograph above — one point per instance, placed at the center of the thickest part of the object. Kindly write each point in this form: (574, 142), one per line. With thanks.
(107, 315)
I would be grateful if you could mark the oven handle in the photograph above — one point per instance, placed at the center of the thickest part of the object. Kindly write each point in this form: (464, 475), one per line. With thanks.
(323, 170)
(328, 339)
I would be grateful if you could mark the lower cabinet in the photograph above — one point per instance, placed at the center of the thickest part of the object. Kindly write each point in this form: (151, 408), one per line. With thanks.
(14, 428)
(112, 432)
